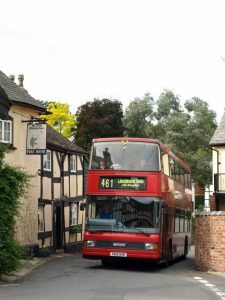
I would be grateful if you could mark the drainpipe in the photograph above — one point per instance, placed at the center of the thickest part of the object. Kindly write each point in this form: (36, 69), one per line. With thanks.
(218, 163)
(193, 194)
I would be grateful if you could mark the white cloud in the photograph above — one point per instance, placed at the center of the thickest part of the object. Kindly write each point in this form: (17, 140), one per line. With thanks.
(74, 51)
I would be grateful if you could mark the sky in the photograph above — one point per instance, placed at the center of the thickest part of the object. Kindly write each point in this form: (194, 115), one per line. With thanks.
(74, 51)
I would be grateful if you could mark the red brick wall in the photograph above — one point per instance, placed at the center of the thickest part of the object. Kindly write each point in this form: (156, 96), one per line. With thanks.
(210, 241)
(212, 202)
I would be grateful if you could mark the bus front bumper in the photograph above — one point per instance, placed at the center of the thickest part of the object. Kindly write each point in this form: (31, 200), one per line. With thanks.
(98, 253)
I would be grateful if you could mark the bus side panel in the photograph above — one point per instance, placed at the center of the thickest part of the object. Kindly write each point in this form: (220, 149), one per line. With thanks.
(177, 197)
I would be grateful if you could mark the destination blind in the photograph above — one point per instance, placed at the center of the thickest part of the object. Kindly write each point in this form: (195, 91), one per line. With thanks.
(122, 183)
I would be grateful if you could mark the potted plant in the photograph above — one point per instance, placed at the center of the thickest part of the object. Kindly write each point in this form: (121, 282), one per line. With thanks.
(76, 228)
(44, 252)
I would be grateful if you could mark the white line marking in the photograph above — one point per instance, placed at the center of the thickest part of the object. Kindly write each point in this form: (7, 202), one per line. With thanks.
(203, 281)
(8, 285)
(212, 287)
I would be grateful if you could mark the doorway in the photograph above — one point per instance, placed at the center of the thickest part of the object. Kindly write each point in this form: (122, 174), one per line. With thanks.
(58, 217)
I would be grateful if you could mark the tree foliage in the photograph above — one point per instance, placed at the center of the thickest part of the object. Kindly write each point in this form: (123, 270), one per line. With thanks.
(13, 182)
(60, 118)
(186, 130)
(167, 104)
(138, 116)
(99, 118)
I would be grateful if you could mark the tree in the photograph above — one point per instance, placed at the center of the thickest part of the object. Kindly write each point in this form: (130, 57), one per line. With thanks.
(202, 125)
(173, 131)
(186, 130)
(138, 116)
(99, 118)
(60, 118)
(10, 251)
(167, 104)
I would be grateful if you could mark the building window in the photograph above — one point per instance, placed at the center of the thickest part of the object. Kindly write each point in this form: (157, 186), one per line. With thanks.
(6, 131)
(73, 163)
(41, 222)
(73, 214)
(47, 161)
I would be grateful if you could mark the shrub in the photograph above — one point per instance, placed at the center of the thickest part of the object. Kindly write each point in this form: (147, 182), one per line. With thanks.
(10, 255)
(43, 252)
(76, 228)
(13, 183)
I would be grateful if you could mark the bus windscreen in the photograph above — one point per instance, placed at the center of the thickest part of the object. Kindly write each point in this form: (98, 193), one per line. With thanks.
(124, 214)
(123, 155)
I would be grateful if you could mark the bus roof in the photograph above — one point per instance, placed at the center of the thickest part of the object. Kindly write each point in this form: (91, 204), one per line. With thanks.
(146, 140)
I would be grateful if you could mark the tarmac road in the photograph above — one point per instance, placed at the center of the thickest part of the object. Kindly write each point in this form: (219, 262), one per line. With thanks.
(71, 277)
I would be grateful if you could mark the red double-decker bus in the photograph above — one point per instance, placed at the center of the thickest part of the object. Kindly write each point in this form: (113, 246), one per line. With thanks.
(139, 202)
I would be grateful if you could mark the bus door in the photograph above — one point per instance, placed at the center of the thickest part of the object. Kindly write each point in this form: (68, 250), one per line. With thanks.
(163, 228)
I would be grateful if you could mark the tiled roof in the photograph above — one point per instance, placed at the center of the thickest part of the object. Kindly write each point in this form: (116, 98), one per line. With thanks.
(17, 94)
(56, 140)
(219, 135)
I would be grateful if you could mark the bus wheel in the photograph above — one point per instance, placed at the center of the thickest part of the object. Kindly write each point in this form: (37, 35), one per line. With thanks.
(185, 248)
(170, 255)
(107, 262)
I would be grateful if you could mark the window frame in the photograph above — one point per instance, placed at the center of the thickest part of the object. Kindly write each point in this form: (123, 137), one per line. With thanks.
(41, 221)
(3, 131)
(74, 218)
(73, 163)
(47, 160)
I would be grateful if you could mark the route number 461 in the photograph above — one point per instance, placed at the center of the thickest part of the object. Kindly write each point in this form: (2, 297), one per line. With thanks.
(107, 183)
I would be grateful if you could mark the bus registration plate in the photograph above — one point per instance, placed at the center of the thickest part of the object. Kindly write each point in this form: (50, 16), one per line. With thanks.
(118, 254)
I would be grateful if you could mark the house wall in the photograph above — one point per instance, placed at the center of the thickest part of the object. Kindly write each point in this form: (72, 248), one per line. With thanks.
(66, 190)
(26, 224)
(49, 189)
(75, 182)
(210, 241)
(220, 153)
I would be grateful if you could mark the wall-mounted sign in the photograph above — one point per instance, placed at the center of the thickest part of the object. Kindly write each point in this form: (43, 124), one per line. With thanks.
(36, 138)
(122, 183)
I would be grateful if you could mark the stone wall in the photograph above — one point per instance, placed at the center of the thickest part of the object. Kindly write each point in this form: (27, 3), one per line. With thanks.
(210, 241)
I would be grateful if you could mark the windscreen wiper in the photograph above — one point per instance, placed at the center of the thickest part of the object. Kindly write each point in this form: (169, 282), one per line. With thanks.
(142, 231)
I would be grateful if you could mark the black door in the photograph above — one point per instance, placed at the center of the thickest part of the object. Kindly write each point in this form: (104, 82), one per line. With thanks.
(58, 226)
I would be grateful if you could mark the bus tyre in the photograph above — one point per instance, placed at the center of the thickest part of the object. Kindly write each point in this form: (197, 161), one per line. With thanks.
(106, 262)
(185, 248)
(170, 254)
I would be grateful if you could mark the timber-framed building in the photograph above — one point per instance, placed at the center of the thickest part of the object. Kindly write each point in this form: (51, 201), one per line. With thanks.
(51, 213)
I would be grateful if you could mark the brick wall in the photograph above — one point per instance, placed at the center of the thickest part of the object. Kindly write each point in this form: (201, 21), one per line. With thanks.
(212, 202)
(210, 241)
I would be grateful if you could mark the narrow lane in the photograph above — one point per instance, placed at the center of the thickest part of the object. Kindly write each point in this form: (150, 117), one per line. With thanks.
(76, 278)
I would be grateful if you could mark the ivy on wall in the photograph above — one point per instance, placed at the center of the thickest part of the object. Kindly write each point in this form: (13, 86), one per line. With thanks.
(13, 184)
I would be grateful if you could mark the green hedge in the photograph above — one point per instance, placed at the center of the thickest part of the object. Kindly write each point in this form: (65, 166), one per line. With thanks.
(13, 183)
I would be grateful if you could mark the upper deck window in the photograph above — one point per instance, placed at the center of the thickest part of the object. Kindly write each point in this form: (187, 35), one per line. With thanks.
(121, 155)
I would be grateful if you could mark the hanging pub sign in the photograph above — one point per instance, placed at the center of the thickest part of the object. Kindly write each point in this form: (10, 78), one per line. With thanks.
(36, 138)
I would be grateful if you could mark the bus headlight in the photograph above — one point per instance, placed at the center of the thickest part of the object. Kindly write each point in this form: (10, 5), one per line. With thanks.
(151, 246)
(90, 243)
